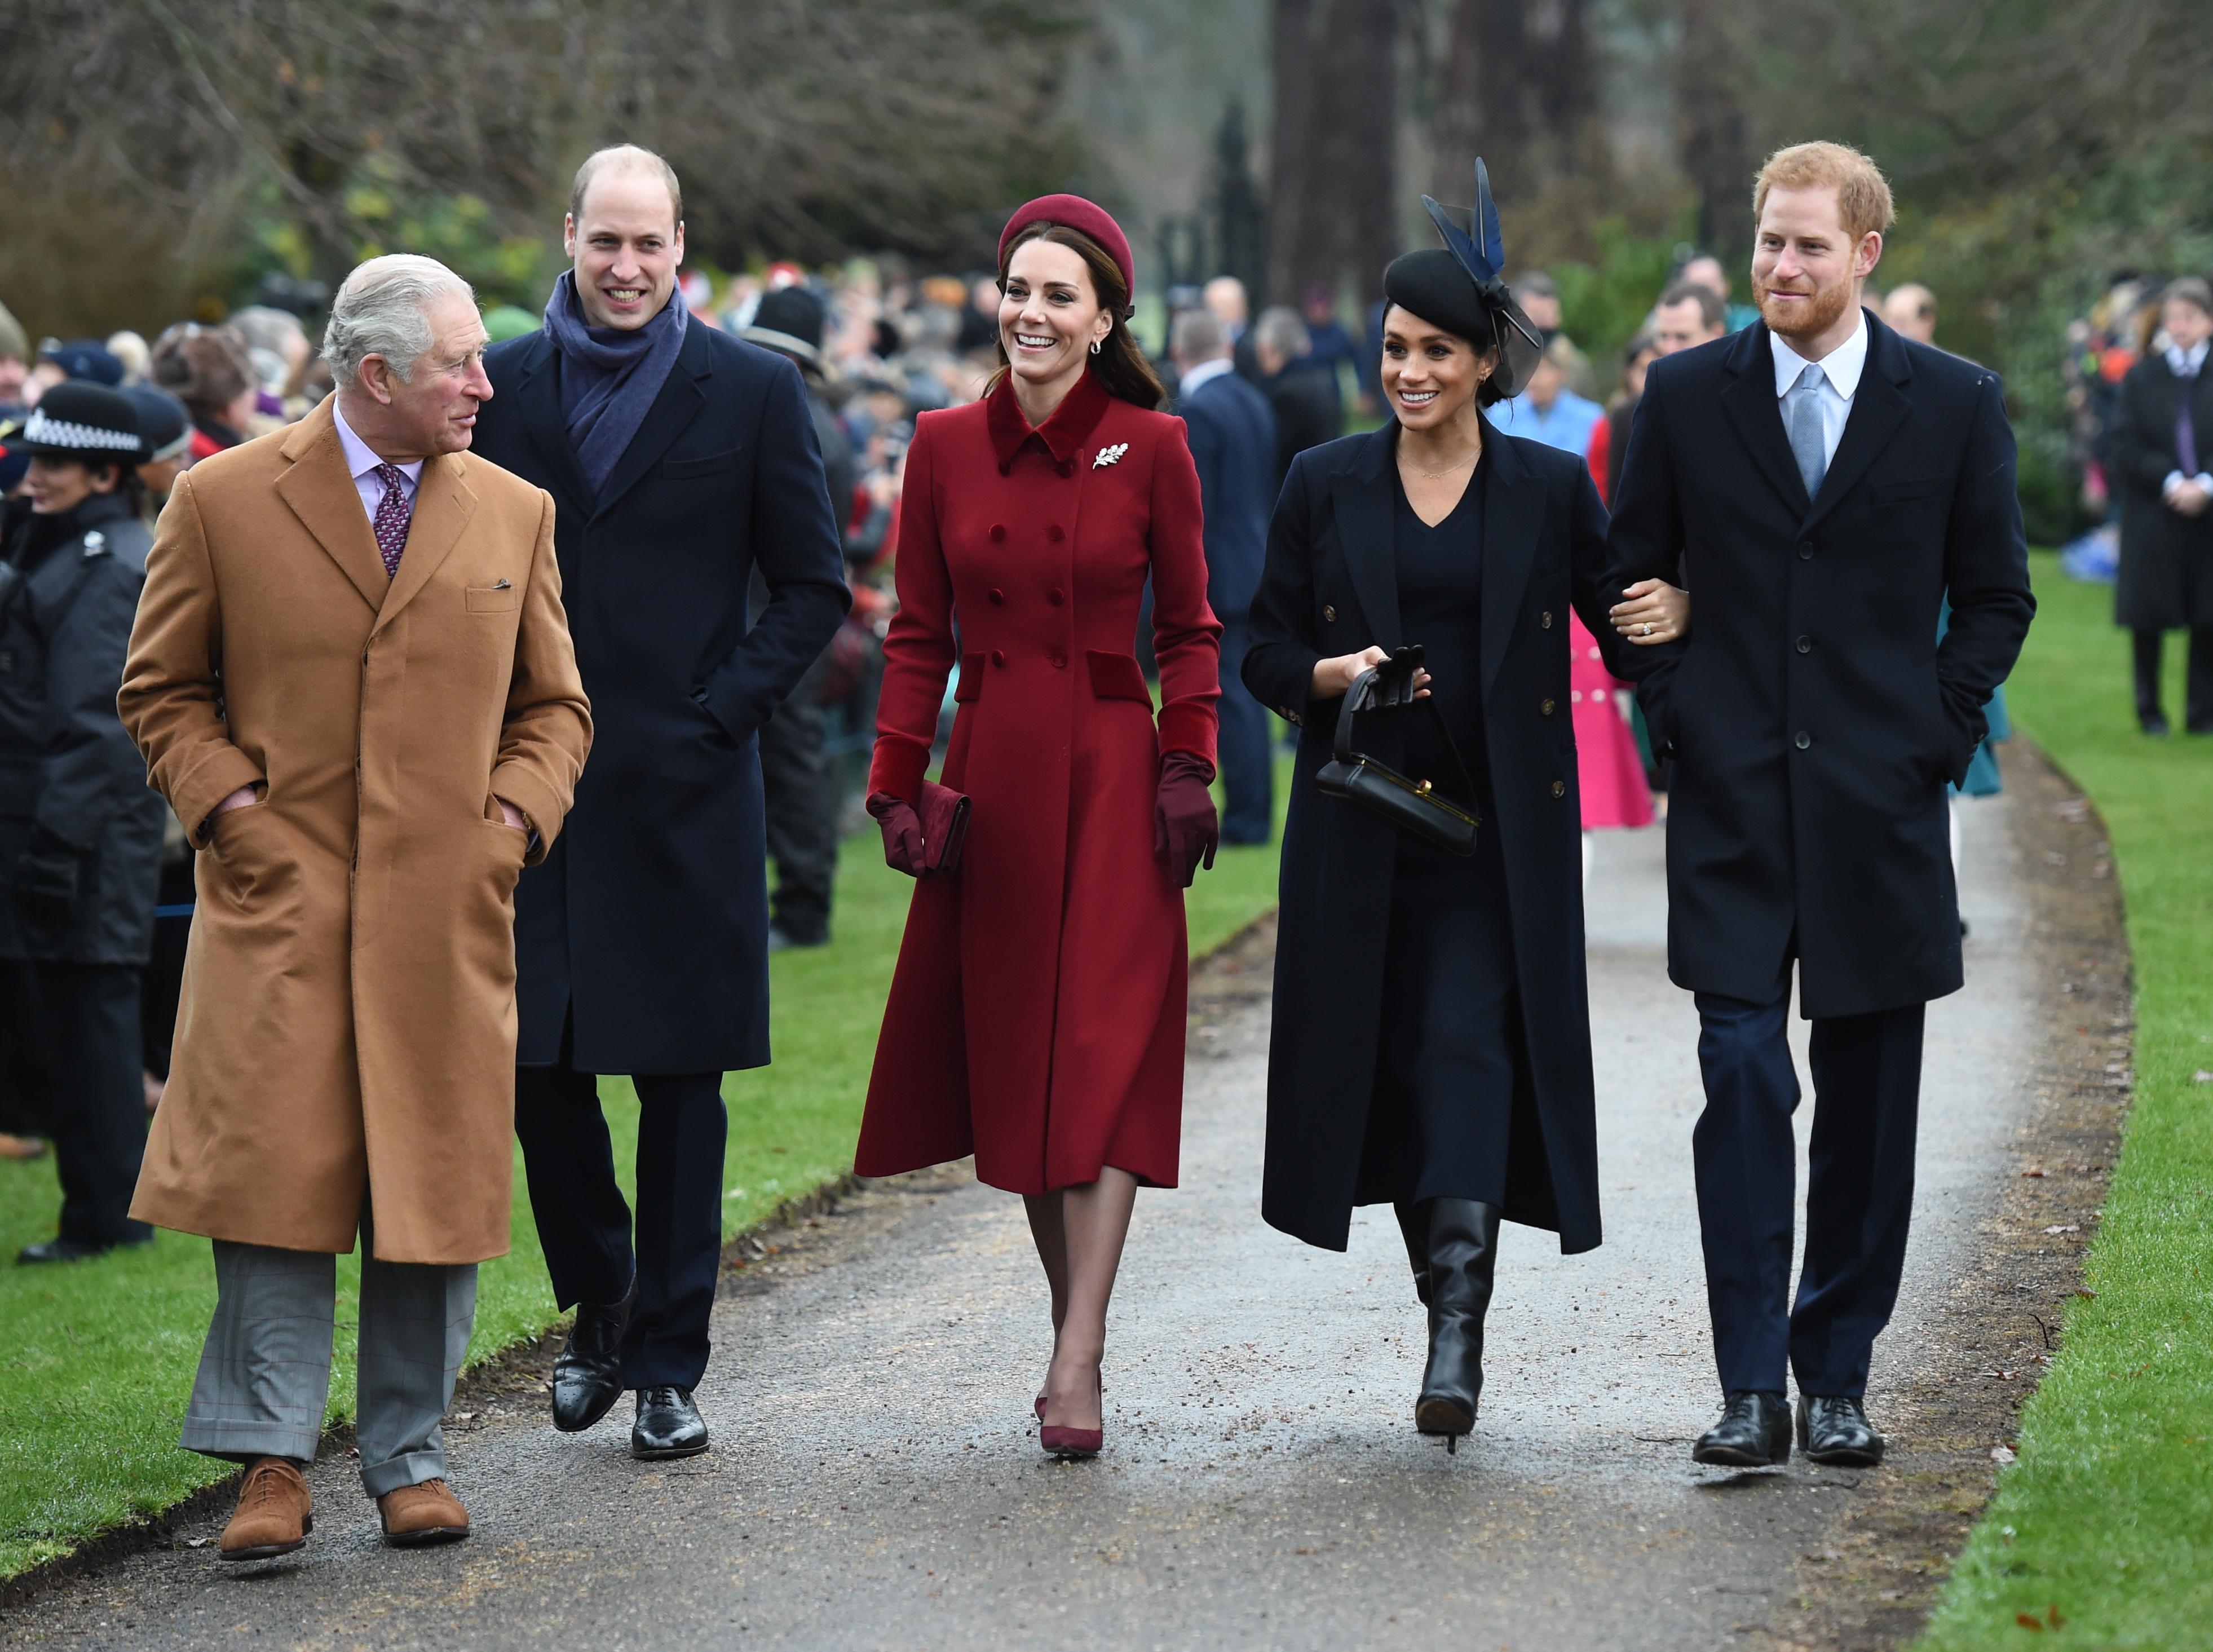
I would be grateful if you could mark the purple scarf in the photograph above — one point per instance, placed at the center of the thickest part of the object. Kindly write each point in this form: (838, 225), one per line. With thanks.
(609, 377)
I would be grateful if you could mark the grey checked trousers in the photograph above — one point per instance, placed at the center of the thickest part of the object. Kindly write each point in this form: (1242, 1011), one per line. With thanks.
(265, 1376)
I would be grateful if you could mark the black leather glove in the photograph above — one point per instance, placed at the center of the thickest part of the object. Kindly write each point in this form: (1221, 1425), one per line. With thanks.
(46, 880)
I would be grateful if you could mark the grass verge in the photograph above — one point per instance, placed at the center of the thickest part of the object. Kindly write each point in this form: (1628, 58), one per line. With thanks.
(96, 1360)
(2101, 1534)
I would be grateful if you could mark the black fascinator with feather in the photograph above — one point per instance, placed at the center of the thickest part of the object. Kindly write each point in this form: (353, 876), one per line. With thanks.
(1463, 288)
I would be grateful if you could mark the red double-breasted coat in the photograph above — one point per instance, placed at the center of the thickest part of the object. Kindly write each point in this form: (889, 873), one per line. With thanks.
(1036, 1016)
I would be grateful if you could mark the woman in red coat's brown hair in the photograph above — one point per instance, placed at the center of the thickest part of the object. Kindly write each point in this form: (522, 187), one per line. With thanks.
(1036, 1018)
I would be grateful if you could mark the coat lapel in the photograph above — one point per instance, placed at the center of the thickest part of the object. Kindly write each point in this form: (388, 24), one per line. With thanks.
(1512, 518)
(1879, 407)
(1363, 499)
(539, 389)
(321, 494)
(443, 506)
(1750, 400)
(678, 403)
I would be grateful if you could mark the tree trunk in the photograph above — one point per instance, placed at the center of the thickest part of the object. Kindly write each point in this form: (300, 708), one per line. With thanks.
(1715, 143)
(1333, 206)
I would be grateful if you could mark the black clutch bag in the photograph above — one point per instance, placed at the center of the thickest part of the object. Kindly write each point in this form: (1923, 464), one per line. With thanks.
(1414, 807)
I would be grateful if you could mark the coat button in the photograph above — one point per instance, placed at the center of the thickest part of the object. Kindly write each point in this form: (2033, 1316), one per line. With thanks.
(998, 532)
(1804, 549)
(1054, 533)
(1544, 619)
(1804, 739)
(1056, 596)
(997, 596)
(1006, 469)
(1805, 645)
(1067, 467)
(999, 657)
(1559, 789)
(1546, 708)
(1059, 660)
(1328, 614)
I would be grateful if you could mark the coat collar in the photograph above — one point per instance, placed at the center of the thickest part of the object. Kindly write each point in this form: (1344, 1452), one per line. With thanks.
(1513, 518)
(1065, 431)
(538, 391)
(319, 487)
(1879, 407)
(537, 385)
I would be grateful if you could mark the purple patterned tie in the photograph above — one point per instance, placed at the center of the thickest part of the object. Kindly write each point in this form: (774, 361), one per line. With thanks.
(393, 512)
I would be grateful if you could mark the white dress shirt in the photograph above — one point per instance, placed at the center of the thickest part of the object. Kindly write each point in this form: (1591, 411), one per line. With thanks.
(362, 464)
(1205, 373)
(2185, 364)
(1840, 381)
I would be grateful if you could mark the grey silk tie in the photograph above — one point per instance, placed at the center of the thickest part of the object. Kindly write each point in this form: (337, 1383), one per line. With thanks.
(1803, 408)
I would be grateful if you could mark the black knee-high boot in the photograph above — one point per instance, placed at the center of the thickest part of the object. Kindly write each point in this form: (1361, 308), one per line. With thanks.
(1414, 1228)
(1463, 1256)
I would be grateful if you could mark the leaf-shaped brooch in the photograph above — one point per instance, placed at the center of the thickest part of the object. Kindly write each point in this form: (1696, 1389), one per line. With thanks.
(1110, 455)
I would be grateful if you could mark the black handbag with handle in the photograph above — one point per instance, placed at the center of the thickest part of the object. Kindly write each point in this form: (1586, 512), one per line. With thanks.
(1414, 807)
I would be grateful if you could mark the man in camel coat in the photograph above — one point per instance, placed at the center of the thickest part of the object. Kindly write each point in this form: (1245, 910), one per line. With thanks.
(351, 678)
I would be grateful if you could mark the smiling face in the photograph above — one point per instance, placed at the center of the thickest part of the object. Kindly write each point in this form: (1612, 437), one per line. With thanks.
(432, 411)
(1430, 375)
(2186, 325)
(1806, 269)
(62, 484)
(626, 244)
(1049, 313)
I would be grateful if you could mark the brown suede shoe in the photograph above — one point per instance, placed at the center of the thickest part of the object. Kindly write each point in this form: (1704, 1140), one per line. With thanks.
(417, 1515)
(274, 1514)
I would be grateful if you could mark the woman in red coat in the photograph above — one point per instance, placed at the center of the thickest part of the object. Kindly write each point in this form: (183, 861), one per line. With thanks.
(1036, 1018)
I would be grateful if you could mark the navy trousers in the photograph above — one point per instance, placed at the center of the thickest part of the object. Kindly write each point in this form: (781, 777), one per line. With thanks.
(1859, 1196)
(584, 1225)
(1243, 747)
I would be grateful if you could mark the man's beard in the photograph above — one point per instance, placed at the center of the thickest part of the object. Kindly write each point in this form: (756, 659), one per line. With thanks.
(1808, 318)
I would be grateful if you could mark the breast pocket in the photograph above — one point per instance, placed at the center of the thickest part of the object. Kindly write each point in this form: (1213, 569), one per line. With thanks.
(705, 465)
(503, 597)
(1907, 490)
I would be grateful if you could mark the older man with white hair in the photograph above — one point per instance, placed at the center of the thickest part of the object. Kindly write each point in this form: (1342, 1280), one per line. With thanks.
(351, 678)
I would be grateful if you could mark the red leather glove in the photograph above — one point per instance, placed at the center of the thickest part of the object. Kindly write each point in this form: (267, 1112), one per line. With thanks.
(1185, 828)
(902, 830)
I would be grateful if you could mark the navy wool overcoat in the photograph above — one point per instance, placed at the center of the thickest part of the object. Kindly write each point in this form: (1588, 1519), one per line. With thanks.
(649, 922)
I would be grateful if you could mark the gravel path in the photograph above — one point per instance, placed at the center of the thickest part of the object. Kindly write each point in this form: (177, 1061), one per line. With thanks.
(875, 1481)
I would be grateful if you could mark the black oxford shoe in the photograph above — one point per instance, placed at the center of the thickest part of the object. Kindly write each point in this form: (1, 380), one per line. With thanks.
(588, 1377)
(75, 1250)
(668, 1425)
(1833, 1429)
(1754, 1432)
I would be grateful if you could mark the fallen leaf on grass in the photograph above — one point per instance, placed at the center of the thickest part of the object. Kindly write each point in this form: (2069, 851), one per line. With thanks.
(2028, 1622)
(2200, 1076)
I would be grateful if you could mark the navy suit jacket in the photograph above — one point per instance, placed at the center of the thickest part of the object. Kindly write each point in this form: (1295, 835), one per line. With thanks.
(1812, 714)
(649, 922)
(1233, 443)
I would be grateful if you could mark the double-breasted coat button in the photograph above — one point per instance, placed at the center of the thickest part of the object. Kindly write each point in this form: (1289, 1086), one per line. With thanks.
(1805, 645)
(1545, 708)
(1544, 619)
(1804, 549)
(997, 596)
(1067, 467)
(1559, 789)
(1056, 596)
(998, 532)
(999, 657)
(1006, 469)
(1804, 739)
(1328, 614)
(1054, 533)
(1059, 660)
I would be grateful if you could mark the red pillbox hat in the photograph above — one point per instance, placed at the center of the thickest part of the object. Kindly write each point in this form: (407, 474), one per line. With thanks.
(1076, 213)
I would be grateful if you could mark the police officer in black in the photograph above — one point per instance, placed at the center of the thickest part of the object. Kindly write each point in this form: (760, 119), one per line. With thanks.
(79, 833)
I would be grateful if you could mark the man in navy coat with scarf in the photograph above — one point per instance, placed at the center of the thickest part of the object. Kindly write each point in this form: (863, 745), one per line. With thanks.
(1824, 484)
(679, 460)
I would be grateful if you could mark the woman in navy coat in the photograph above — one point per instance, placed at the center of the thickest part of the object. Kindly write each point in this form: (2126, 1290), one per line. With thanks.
(1036, 1016)
(1431, 1041)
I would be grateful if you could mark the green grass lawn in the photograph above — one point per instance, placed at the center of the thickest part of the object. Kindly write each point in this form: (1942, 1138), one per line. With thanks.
(96, 1359)
(2108, 1515)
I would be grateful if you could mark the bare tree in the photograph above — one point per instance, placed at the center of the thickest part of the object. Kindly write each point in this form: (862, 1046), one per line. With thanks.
(1332, 213)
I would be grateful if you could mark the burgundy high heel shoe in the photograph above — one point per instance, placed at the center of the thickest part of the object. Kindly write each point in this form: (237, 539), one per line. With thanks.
(1066, 1443)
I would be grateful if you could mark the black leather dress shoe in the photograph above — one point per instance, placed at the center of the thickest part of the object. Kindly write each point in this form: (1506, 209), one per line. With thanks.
(668, 1425)
(588, 1377)
(1754, 1432)
(75, 1250)
(1833, 1429)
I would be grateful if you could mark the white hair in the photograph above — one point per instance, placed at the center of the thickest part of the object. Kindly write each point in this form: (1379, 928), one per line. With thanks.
(383, 308)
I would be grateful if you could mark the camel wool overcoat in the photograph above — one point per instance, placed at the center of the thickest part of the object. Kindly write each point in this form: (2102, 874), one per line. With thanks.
(347, 1028)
